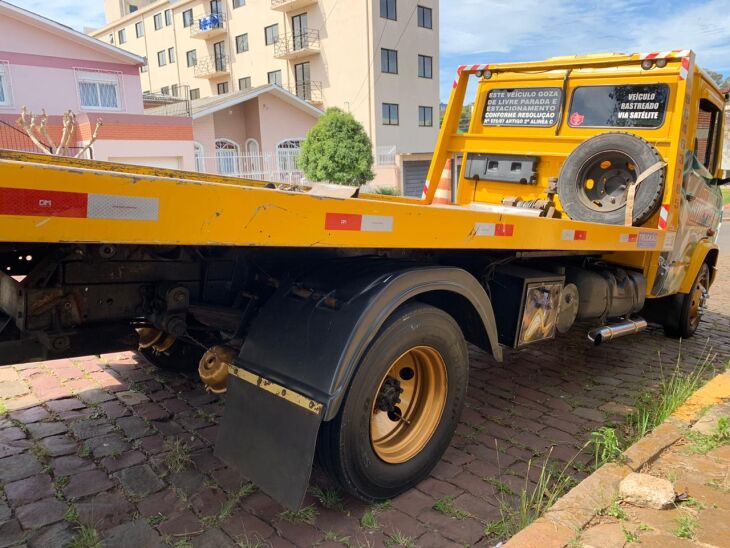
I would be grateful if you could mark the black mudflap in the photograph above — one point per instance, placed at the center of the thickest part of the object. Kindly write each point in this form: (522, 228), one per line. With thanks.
(269, 439)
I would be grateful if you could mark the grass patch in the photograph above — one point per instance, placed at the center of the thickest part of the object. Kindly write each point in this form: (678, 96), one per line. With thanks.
(652, 408)
(501, 487)
(254, 541)
(178, 456)
(446, 506)
(399, 539)
(686, 526)
(369, 520)
(229, 506)
(720, 484)
(385, 190)
(630, 536)
(328, 498)
(155, 520)
(307, 515)
(87, 537)
(534, 500)
(71, 515)
(3, 408)
(702, 443)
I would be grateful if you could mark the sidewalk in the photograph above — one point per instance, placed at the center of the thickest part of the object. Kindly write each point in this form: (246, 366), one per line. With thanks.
(686, 460)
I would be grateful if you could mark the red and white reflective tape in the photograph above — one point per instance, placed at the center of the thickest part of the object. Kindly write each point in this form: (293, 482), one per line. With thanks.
(673, 54)
(570, 234)
(494, 229)
(469, 69)
(684, 68)
(358, 223)
(627, 238)
(77, 205)
(663, 216)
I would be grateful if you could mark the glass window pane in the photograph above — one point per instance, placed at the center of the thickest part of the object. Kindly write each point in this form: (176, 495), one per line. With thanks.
(108, 96)
(89, 94)
(2, 88)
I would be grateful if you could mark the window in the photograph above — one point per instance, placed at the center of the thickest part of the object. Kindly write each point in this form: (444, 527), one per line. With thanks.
(195, 93)
(4, 85)
(222, 88)
(171, 55)
(425, 116)
(132, 8)
(271, 34)
(707, 136)
(241, 43)
(637, 105)
(238, 3)
(158, 21)
(192, 57)
(145, 67)
(99, 90)
(425, 17)
(387, 10)
(187, 18)
(425, 66)
(244, 83)
(161, 58)
(389, 61)
(390, 114)
(274, 77)
(122, 34)
(168, 18)
(226, 154)
(111, 38)
(139, 29)
(165, 90)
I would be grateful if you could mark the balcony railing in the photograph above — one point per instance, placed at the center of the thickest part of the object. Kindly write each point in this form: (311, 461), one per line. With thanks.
(297, 44)
(169, 101)
(309, 91)
(212, 67)
(209, 26)
(289, 5)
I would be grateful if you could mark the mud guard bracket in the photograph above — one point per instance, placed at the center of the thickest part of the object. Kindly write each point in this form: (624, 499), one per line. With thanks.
(269, 437)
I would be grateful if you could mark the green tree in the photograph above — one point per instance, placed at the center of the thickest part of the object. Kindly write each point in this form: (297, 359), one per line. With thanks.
(716, 76)
(337, 150)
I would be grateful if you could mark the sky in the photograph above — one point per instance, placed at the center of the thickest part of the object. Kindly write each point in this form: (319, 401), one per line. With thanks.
(493, 31)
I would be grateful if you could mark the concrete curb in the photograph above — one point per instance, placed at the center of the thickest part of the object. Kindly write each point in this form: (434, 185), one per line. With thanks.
(559, 525)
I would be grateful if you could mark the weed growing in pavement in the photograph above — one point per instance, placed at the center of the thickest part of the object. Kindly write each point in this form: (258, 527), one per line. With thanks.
(702, 443)
(369, 520)
(653, 407)
(331, 536)
(399, 539)
(606, 445)
(614, 510)
(329, 498)
(254, 541)
(183, 543)
(534, 500)
(630, 536)
(501, 487)
(3, 408)
(87, 537)
(307, 515)
(41, 453)
(686, 526)
(155, 520)
(446, 506)
(645, 527)
(227, 509)
(71, 514)
(178, 456)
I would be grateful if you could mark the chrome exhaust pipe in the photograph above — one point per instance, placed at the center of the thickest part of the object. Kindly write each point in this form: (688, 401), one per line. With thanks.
(609, 332)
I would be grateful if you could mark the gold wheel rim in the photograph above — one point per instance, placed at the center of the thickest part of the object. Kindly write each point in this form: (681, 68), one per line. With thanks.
(399, 435)
(697, 293)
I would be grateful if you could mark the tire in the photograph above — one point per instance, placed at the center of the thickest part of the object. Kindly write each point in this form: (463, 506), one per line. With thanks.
(181, 356)
(347, 448)
(690, 312)
(590, 192)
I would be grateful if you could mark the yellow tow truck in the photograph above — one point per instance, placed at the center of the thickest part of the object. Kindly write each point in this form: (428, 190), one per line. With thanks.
(337, 325)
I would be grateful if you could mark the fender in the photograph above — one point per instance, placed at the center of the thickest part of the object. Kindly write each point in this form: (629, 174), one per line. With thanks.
(308, 339)
(314, 349)
(704, 251)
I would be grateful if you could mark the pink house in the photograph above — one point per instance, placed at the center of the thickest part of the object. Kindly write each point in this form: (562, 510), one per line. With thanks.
(46, 65)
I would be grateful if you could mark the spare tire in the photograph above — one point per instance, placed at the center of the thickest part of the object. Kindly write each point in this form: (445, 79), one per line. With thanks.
(594, 179)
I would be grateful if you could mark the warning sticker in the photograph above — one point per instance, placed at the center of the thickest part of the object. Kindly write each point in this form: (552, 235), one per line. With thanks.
(647, 240)
(523, 107)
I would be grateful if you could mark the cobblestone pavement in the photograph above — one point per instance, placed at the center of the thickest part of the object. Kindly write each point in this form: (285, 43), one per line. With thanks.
(89, 445)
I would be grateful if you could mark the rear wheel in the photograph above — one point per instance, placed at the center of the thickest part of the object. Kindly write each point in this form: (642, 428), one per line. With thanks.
(402, 406)
(692, 306)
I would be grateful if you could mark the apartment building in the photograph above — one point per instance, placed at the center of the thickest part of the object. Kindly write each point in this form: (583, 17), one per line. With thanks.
(377, 59)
